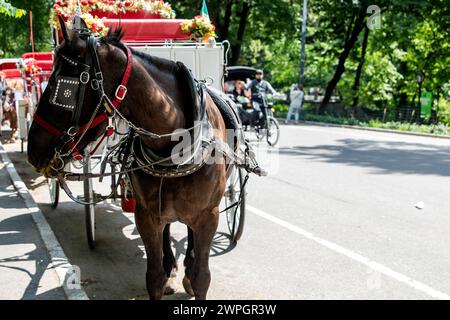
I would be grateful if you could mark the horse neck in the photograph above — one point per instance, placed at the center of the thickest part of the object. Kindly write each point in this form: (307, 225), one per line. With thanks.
(154, 103)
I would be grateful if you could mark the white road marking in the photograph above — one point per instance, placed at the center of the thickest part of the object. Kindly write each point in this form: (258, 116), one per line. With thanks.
(354, 256)
(8, 232)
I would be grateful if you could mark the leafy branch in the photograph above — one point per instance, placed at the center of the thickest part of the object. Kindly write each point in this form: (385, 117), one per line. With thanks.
(7, 9)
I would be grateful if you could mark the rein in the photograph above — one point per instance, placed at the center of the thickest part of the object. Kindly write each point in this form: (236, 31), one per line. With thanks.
(75, 133)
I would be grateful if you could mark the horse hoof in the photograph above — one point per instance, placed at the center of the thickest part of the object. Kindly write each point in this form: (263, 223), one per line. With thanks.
(187, 286)
(171, 286)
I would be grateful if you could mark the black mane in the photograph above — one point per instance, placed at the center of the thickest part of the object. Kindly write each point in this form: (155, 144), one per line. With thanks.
(115, 38)
(158, 62)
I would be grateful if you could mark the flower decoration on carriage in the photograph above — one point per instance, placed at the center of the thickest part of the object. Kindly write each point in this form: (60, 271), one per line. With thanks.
(199, 28)
(67, 8)
(29, 66)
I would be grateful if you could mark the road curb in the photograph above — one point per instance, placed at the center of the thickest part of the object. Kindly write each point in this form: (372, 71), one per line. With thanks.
(58, 259)
(409, 133)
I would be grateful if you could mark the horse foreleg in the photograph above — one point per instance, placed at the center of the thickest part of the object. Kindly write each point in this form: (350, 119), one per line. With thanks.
(189, 262)
(204, 231)
(151, 234)
(169, 261)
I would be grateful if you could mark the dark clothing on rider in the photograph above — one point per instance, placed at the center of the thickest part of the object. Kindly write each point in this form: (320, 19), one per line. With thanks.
(259, 89)
(237, 94)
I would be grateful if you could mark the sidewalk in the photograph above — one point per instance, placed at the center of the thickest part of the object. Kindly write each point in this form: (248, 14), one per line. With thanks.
(24, 261)
(356, 127)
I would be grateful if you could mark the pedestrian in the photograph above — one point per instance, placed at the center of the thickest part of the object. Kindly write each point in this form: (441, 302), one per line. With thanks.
(296, 96)
(9, 110)
(317, 92)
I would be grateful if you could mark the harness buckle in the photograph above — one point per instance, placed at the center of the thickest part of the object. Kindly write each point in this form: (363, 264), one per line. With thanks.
(121, 92)
(84, 77)
(70, 133)
(57, 160)
(95, 84)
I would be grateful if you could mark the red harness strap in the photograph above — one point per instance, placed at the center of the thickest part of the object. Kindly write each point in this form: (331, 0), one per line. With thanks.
(44, 124)
(119, 96)
(121, 90)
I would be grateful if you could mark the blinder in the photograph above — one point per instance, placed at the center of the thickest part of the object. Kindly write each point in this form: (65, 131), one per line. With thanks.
(66, 93)
(70, 90)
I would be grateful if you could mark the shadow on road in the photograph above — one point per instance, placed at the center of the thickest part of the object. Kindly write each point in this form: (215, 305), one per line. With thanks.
(116, 268)
(221, 245)
(384, 156)
(23, 258)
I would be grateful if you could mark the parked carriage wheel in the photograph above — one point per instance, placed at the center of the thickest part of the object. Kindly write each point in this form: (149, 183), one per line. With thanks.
(236, 214)
(53, 188)
(89, 209)
(273, 131)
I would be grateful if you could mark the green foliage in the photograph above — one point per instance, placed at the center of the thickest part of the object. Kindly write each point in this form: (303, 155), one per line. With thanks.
(15, 37)
(7, 9)
(440, 129)
(443, 105)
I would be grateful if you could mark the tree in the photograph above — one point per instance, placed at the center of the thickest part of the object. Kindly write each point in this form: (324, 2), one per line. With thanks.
(359, 71)
(230, 18)
(15, 37)
(355, 11)
(7, 9)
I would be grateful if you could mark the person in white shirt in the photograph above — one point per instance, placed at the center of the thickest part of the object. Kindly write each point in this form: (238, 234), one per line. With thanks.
(296, 97)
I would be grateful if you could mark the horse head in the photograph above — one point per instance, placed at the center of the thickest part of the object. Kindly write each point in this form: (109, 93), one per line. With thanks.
(70, 110)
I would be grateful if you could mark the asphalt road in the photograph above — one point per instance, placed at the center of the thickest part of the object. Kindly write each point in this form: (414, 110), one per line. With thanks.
(337, 218)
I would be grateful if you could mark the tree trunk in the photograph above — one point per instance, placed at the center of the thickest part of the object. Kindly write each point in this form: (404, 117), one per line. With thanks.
(357, 28)
(402, 105)
(359, 71)
(349, 29)
(227, 20)
(236, 48)
(435, 111)
(214, 14)
(222, 22)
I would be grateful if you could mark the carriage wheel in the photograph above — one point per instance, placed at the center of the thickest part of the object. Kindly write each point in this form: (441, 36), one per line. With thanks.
(236, 214)
(53, 188)
(273, 131)
(89, 209)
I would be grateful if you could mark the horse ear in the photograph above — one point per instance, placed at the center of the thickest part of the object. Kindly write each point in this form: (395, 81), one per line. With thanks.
(83, 24)
(66, 31)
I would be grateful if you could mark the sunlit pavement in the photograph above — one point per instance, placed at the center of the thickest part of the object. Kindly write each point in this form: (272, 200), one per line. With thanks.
(25, 270)
(337, 218)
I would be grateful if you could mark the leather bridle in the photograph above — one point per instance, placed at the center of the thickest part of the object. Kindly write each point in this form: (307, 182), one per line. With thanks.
(91, 73)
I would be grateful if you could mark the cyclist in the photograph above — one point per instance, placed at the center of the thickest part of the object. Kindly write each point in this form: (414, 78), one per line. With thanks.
(259, 88)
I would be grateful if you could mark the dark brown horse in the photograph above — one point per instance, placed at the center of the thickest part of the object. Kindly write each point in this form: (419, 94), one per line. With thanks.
(157, 101)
